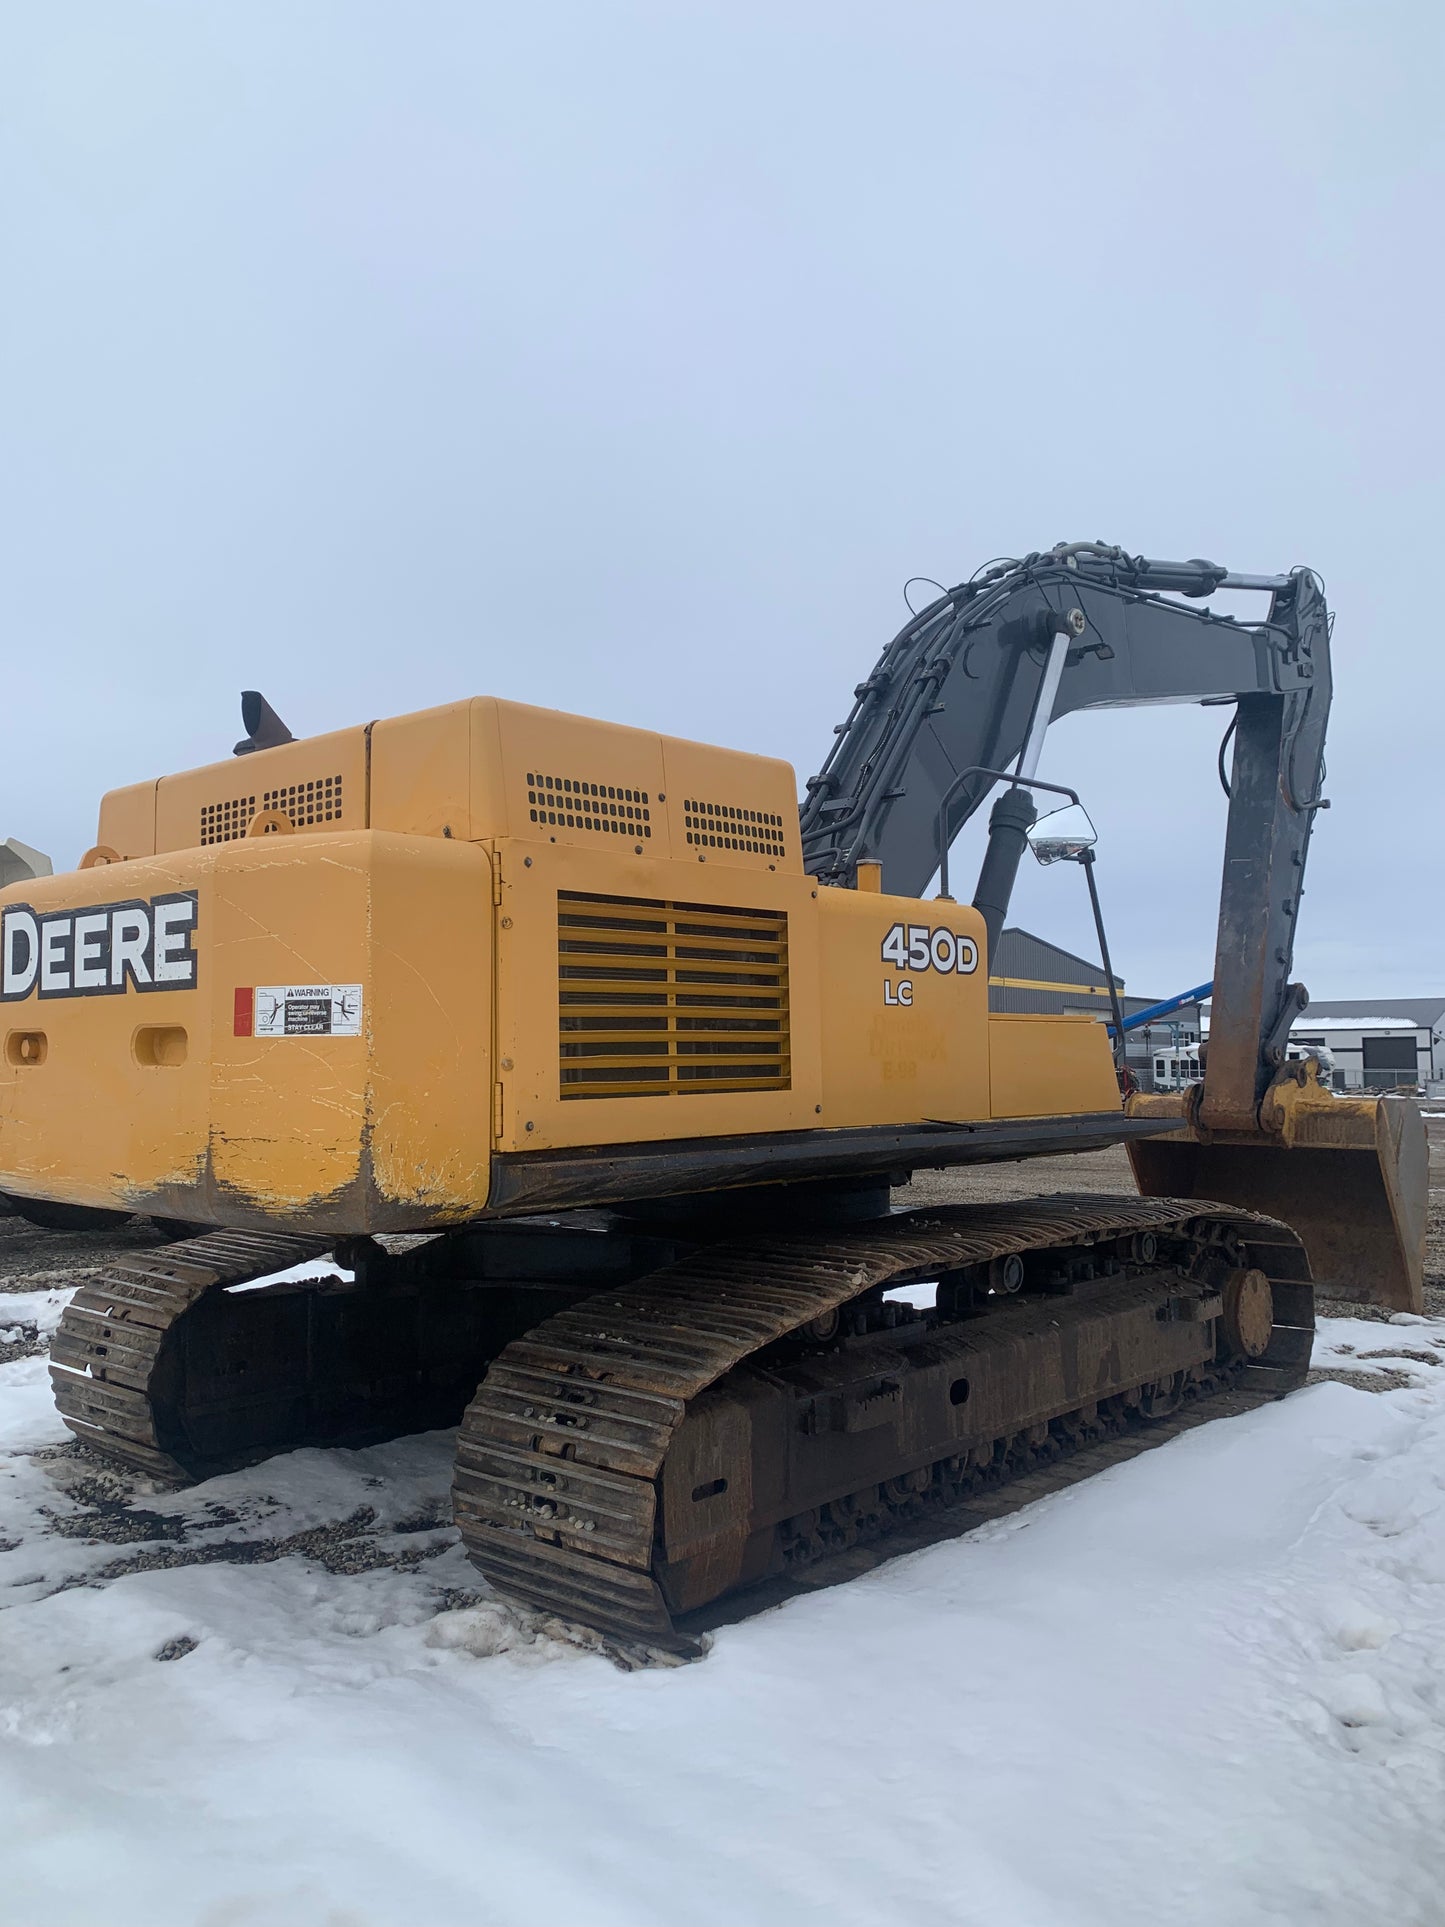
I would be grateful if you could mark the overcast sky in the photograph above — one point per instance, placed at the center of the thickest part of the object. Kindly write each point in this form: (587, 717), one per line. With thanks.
(627, 358)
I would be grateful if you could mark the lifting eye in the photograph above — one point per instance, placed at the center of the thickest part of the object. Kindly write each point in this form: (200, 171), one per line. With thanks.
(708, 1491)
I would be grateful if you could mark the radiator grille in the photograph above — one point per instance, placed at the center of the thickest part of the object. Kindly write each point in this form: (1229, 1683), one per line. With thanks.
(307, 803)
(658, 999)
(224, 822)
(575, 803)
(727, 826)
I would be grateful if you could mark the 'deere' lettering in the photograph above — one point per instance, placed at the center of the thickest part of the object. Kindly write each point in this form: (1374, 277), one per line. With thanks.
(102, 951)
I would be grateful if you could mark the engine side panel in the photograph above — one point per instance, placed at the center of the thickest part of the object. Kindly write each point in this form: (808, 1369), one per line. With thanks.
(1043, 1063)
(381, 958)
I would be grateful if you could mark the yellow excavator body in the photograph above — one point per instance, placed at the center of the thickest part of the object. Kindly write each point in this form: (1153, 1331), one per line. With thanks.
(327, 985)
(629, 1050)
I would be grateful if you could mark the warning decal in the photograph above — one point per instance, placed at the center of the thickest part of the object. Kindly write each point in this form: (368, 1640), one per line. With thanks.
(301, 1010)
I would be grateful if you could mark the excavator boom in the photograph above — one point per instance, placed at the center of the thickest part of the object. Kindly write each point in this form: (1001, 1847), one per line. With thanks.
(971, 684)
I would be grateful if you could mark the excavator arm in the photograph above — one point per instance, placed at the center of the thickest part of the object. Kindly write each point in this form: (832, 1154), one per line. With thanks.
(974, 680)
(969, 686)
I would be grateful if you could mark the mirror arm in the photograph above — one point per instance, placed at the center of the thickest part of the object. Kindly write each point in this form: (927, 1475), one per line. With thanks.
(1086, 857)
(998, 776)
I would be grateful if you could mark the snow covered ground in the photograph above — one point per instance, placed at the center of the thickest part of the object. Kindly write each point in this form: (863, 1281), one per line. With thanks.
(1208, 1687)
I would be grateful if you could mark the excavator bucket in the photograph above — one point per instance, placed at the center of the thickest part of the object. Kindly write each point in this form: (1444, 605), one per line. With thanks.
(1350, 1175)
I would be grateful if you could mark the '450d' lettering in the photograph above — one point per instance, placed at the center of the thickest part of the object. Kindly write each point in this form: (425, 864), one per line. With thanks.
(915, 946)
(101, 951)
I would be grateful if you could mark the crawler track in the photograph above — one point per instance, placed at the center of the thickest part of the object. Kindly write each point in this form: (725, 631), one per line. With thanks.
(108, 1358)
(757, 1413)
(641, 1454)
(160, 1364)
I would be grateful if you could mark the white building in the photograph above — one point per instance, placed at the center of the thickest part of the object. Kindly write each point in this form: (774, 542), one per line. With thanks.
(1378, 1043)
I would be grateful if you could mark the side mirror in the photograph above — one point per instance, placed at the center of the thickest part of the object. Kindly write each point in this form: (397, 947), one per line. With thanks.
(1063, 835)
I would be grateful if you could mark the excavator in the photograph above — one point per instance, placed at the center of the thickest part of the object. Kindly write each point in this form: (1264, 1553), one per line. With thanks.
(592, 1062)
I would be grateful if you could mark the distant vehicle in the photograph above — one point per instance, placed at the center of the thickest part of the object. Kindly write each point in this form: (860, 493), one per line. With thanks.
(1174, 1069)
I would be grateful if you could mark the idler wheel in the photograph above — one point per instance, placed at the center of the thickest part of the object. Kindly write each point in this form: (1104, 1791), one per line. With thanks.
(1248, 1313)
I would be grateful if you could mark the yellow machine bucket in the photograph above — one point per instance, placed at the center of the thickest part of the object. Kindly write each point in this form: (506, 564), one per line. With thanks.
(1349, 1174)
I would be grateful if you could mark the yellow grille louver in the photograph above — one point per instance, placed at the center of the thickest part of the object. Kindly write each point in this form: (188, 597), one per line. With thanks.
(658, 999)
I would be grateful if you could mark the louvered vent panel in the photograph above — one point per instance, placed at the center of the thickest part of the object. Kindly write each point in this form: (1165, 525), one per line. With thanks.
(659, 999)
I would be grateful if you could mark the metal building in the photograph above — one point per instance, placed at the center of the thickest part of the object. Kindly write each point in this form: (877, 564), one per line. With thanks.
(1379, 1043)
(1030, 974)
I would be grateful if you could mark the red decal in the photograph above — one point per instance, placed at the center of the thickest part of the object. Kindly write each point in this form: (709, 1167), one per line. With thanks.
(245, 1011)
